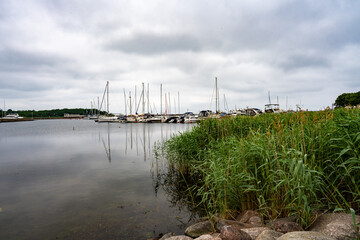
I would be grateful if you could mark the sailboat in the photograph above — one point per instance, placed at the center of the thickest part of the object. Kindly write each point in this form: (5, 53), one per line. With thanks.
(107, 118)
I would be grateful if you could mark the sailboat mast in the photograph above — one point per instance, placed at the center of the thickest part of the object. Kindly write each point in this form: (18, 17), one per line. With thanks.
(107, 86)
(216, 96)
(135, 101)
(98, 105)
(160, 98)
(169, 103)
(143, 99)
(125, 102)
(179, 102)
(130, 103)
(148, 98)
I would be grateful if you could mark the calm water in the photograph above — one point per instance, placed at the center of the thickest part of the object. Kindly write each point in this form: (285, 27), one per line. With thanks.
(77, 179)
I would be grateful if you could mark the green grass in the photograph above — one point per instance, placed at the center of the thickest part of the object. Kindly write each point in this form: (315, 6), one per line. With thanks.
(277, 164)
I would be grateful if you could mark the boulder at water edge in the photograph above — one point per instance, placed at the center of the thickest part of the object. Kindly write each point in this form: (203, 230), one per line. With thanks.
(255, 231)
(305, 236)
(198, 229)
(269, 235)
(180, 237)
(230, 232)
(337, 225)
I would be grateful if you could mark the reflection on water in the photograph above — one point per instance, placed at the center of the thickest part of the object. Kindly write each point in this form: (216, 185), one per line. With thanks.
(76, 179)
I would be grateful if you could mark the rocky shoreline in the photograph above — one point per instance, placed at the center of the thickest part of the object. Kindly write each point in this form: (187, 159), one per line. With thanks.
(250, 226)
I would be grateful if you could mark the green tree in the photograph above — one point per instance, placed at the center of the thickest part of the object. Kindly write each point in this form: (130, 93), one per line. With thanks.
(348, 99)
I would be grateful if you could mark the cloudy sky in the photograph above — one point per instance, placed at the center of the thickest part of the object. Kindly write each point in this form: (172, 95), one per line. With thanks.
(59, 54)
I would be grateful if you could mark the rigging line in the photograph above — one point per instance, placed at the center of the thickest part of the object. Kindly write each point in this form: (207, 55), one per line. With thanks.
(103, 98)
(139, 102)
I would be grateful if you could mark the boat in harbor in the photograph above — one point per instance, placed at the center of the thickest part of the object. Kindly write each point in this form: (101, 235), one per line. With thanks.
(191, 119)
(272, 108)
(12, 116)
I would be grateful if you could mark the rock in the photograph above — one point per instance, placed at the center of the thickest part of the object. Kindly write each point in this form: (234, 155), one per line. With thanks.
(230, 232)
(285, 226)
(198, 229)
(244, 218)
(179, 237)
(305, 236)
(270, 223)
(239, 225)
(269, 235)
(205, 237)
(256, 221)
(167, 235)
(254, 232)
(337, 225)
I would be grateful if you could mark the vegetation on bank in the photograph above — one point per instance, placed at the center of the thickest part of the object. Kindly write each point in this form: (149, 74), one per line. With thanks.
(54, 113)
(348, 99)
(278, 164)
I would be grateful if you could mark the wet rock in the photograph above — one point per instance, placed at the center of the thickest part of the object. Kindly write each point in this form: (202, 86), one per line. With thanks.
(337, 225)
(198, 229)
(205, 237)
(254, 232)
(270, 223)
(239, 225)
(256, 221)
(230, 232)
(179, 237)
(167, 235)
(286, 226)
(305, 236)
(244, 218)
(269, 235)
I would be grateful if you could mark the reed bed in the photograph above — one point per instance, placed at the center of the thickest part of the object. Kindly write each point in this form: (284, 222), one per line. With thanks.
(277, 164)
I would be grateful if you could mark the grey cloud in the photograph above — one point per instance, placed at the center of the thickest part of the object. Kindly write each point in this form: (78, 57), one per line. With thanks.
(149, 44)
(16, 60)
(298, 61)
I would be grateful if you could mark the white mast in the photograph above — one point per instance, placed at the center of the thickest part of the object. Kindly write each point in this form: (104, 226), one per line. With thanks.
(148, 98)
(179, 102)
(160, 98)
(107, 87)
(143, 99)
(216, 96)
(135, 101)
(125, 102)
(169, 103)
(130, 103)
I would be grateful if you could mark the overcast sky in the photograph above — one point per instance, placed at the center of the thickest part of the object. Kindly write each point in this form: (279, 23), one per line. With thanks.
(59, 54)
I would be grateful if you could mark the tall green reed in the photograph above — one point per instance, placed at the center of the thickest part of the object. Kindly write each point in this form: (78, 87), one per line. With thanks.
(278, 164)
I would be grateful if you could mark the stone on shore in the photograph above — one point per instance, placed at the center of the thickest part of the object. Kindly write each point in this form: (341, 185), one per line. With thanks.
(305, 236)
(205, 237)
(255, 231)
(285, 226)
(179, 237)
(230, 232)
(337, 225)
(167, 235)
(198, 229)
(239, 225)
(245, 217)
(269, 235)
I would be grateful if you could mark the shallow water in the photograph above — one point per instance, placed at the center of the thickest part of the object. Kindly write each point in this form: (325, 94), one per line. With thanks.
(77, 179)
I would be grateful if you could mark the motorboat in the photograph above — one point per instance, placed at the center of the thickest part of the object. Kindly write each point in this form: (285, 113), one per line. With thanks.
(12, 116)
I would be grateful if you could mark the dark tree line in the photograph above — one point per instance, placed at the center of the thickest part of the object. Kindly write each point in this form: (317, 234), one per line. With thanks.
(54, 113)
(348, 99)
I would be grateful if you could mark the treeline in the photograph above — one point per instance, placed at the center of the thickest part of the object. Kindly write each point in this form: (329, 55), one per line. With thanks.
(54, 113)
(348, 99)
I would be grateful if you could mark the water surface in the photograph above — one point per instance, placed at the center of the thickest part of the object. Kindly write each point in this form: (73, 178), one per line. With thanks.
(77, 179)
